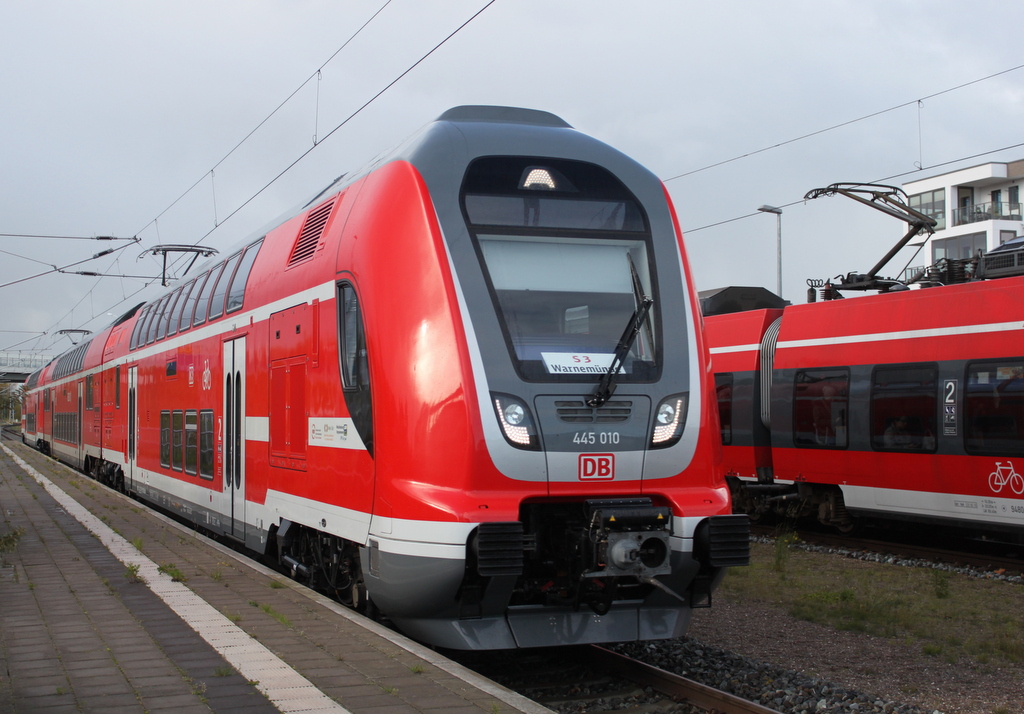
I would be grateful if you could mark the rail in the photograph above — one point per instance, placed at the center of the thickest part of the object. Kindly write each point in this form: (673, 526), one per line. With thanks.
(672, 685)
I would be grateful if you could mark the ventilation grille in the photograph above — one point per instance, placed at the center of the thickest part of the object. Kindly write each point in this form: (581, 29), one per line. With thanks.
(577, 411)
(728, 541)
(500, 548)
(312, 229)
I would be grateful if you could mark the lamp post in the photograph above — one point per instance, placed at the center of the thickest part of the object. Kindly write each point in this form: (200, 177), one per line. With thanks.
(778, 241)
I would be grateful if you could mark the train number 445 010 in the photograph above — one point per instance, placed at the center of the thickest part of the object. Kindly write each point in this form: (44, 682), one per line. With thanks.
(589, 438)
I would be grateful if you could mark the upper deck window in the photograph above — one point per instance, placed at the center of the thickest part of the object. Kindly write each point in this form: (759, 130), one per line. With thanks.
(566, 253)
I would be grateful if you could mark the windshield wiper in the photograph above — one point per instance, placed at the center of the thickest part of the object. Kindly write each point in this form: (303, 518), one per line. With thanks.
(606, 386)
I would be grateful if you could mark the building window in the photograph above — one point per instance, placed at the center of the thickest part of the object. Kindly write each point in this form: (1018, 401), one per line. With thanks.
(959, 248)
(931, 204)
(821, 407)
(904, 403)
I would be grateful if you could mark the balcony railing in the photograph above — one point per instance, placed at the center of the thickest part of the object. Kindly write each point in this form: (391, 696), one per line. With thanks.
(987, 212)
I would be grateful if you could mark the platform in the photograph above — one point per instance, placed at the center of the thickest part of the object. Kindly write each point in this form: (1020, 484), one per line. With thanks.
(106, 606)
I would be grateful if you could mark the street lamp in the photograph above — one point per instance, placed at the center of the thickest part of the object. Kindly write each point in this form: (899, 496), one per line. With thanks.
(778, 241)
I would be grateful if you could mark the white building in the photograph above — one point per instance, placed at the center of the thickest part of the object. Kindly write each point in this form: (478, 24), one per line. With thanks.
(977, 209)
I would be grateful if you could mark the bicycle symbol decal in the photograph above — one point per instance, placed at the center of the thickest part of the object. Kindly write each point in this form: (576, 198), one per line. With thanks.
(1004, 475)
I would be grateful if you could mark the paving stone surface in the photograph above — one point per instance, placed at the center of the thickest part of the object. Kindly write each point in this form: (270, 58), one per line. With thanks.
(77, 634)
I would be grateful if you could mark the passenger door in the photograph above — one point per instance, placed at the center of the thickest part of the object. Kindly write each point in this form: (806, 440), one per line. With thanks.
(234, 432)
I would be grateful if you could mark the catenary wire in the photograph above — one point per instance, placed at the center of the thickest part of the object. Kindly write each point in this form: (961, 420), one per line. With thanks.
(842, 124)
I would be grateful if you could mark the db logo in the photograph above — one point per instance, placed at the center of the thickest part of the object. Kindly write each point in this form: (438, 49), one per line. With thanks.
(597, 467)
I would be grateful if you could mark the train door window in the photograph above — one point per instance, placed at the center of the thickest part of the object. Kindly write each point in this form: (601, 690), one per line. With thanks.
(46, 400)
(177, 438)
(821, 408)
(723, 388)
(221, 289)
(355, 366)
(206, 446)
(190, 304)
(904, 408)
(165, 439)
(117, 387)
(994, 408)
(204, 297)
(88, 393)
(191, 441)
(236, 293)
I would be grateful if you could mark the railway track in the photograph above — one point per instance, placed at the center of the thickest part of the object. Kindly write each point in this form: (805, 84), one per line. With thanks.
(593, 680)
(991, 562)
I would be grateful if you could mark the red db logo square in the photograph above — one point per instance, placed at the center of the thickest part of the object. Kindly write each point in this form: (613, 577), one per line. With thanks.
(597, 467)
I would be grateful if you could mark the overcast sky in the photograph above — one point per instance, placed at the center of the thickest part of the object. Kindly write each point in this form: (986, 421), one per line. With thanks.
(111, 111)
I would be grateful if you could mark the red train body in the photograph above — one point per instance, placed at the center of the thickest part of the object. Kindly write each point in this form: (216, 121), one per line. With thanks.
(907, 405)
(394, 392)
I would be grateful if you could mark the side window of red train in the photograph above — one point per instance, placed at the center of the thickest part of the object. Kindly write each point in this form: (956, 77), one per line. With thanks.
(204, 297)
(236, 294)
(355, 366)
(206, 444)
(994, 408)
(904, 408)
(821, 408)
(221, 289)
(723, 388)
(165, 438)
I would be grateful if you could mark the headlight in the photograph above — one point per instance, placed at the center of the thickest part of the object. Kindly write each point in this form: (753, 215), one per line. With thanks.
(669, 420)
(516, 422)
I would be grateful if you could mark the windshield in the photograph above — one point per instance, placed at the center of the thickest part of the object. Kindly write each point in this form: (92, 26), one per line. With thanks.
(564, 303)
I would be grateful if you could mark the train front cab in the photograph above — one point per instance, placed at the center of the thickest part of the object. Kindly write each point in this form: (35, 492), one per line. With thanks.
(590, 517)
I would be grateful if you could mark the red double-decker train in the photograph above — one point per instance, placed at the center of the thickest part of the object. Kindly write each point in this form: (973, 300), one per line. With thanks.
(905, 405)
(467, 385)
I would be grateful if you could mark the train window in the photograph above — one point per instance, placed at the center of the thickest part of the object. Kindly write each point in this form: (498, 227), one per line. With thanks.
(221, 289)
(179, 309)
(994, 408)
(355, 365)
(904, 404)
(236, 294)
(723, 388)
(170, 315)
(117, 387)
(204, 297)
(206, 447)
(177, 438)
(154, 320)
(191, 441)
(165, 439)
(548, 193)
(134, 342)
(821, 408)
(165, 316)
(190, 304)
(46, 400)
(88, 393)
(564, 303)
